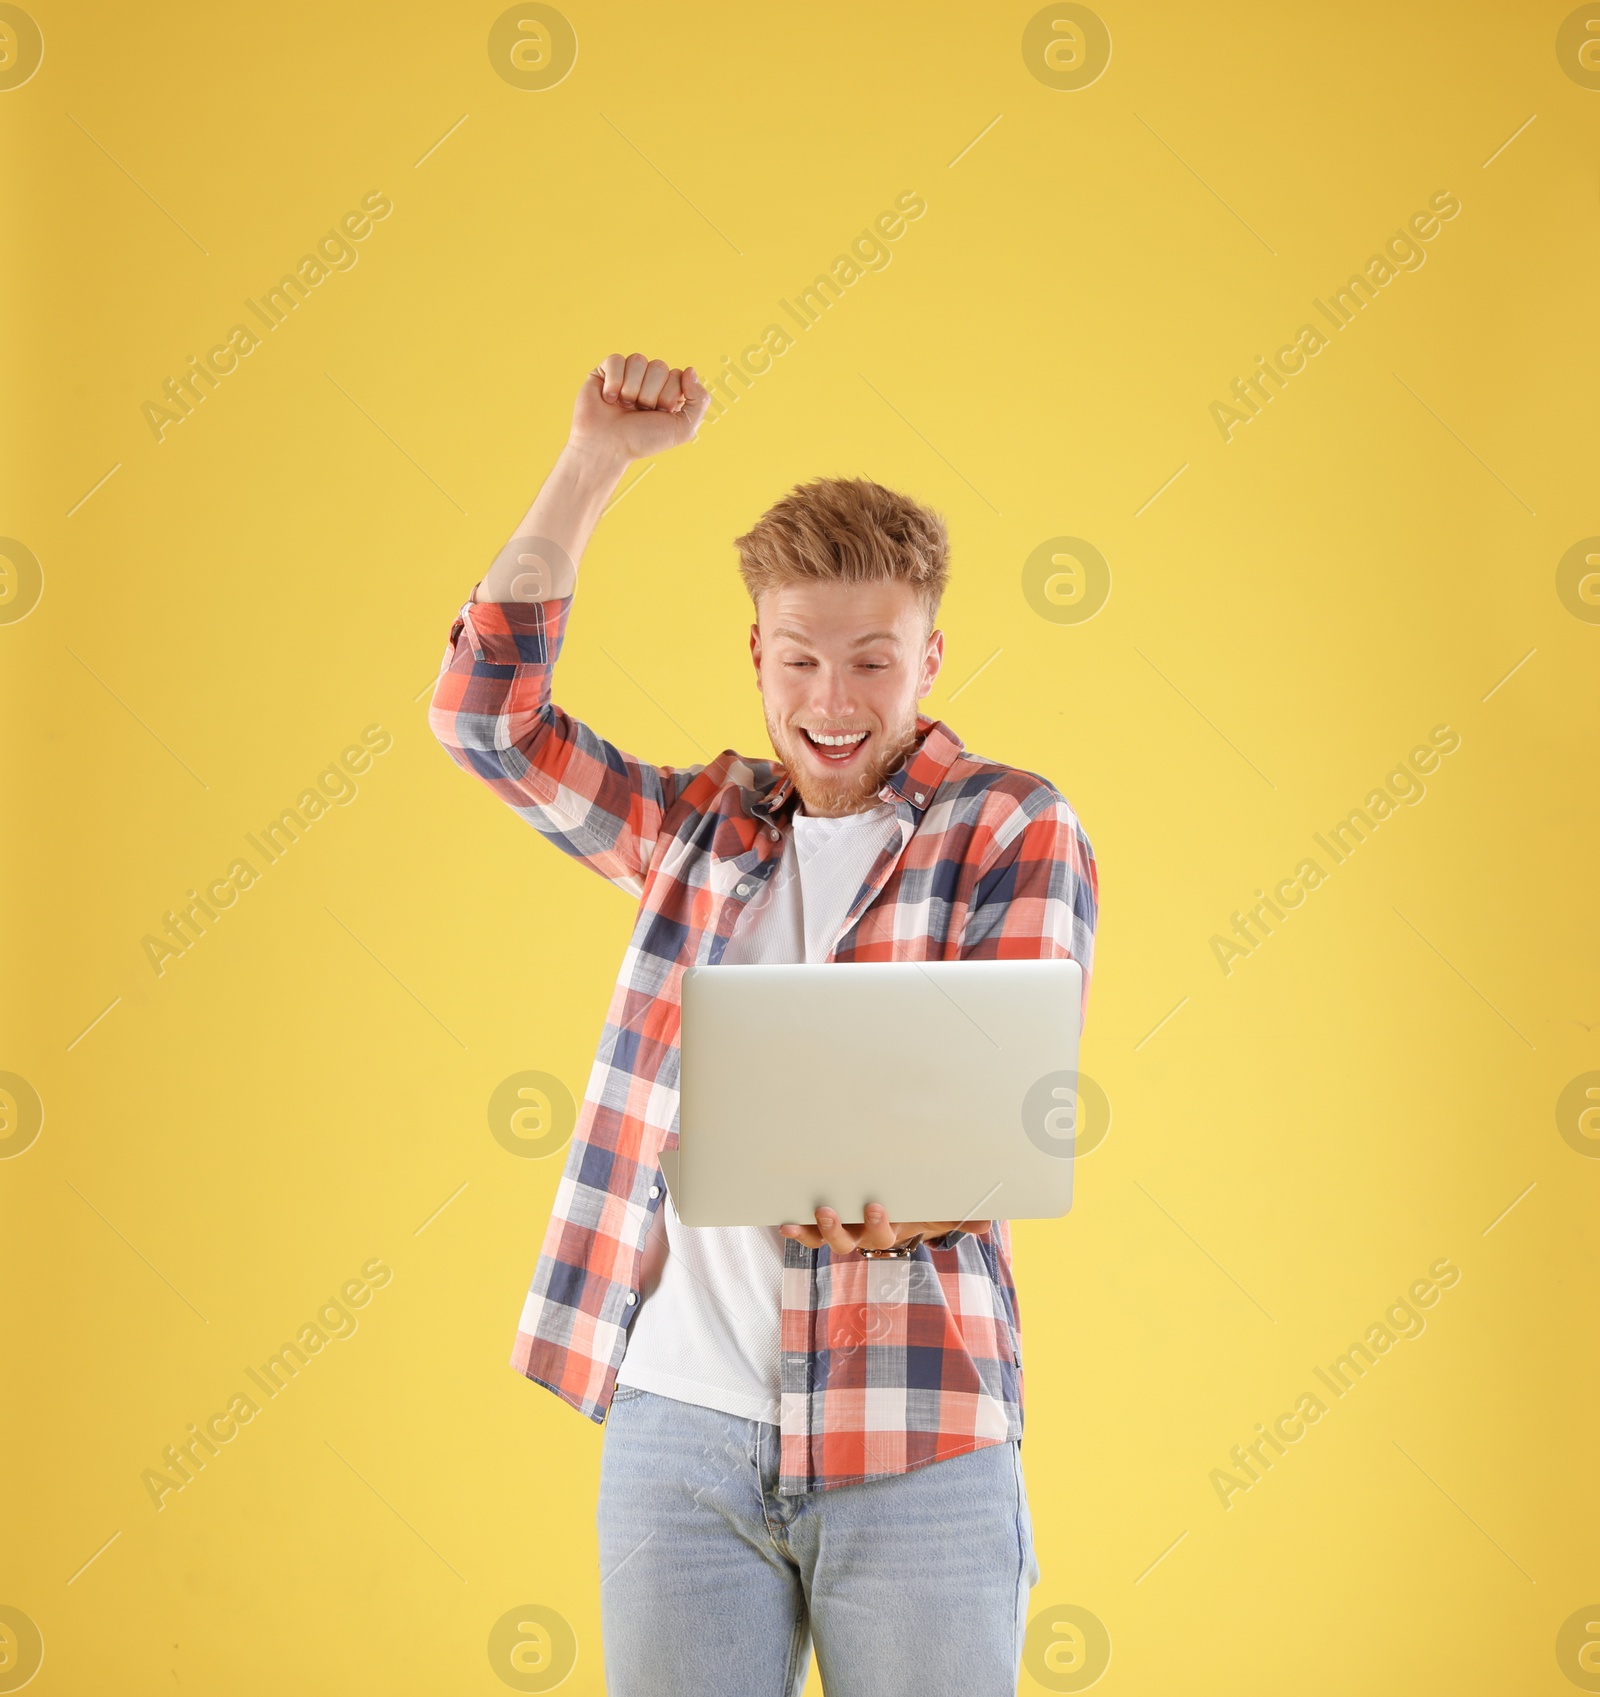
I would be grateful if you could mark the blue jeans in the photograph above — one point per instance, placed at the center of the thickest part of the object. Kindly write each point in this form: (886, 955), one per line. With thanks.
(712, 1585)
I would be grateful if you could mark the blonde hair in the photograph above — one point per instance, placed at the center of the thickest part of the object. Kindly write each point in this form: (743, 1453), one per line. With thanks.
(847, 530)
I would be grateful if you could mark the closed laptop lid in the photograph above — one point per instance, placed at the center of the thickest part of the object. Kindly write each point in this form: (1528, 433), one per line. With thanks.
(942, 1089)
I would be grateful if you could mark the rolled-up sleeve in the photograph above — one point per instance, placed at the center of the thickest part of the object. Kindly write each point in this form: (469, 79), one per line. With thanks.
(492, 712)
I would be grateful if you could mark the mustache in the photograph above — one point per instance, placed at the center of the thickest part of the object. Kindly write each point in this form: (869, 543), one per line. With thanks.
(895, 745)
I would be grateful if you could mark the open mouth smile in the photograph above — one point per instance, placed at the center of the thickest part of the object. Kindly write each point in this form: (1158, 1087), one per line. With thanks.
(835, 748)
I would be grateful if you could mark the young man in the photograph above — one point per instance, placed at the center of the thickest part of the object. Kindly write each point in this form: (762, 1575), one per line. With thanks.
(812, 1430)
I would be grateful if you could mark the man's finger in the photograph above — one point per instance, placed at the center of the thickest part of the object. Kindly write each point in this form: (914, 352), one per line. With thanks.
(838, 1236)
(651, 385)
(611, 369)
(697, 398)
(875, 1233)
(632, 376)
(880, 1231)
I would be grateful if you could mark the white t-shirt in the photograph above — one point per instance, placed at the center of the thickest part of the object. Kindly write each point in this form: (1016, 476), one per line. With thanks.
(708, 1332)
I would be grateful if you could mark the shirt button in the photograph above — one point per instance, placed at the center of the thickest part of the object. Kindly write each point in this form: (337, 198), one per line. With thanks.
(919, 796)
(633, 1297)
(743, 890)
(655, 1190)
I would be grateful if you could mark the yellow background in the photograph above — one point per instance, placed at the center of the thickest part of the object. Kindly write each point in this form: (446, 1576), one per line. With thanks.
(308, 1086)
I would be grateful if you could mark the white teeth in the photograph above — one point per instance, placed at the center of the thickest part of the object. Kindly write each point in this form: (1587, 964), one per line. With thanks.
(837, 742)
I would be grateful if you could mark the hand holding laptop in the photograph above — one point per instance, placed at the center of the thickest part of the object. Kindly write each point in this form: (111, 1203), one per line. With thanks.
(877, 1233)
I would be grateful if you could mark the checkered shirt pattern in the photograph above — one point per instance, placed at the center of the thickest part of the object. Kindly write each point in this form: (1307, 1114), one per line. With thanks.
(885, 1365)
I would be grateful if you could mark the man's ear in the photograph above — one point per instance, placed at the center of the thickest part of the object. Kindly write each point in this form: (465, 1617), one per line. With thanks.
(932, 662)
(755, 652)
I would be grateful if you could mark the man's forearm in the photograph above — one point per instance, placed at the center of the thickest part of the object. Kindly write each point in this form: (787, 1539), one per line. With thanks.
(540, 561)
(626, 410)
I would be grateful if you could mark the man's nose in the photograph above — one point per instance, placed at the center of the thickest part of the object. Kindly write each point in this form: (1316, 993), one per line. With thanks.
(833, 695)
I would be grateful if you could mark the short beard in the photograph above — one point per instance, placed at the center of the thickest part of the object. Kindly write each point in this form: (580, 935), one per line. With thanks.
(853, 794)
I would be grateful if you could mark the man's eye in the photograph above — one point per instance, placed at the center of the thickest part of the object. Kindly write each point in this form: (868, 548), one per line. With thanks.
(866, 665)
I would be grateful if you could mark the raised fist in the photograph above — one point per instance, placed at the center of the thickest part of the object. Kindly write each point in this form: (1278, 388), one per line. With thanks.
(636, 407)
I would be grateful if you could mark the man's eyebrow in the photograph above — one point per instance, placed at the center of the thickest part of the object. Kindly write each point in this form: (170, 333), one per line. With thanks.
(871, 636)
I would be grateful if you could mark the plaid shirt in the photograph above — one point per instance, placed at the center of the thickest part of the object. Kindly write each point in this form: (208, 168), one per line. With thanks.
(885, 1365)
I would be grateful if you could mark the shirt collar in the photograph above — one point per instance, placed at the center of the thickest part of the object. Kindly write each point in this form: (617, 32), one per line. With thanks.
(914, 782)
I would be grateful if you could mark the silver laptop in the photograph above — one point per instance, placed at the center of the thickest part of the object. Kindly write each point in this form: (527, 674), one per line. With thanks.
(946, 1090)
